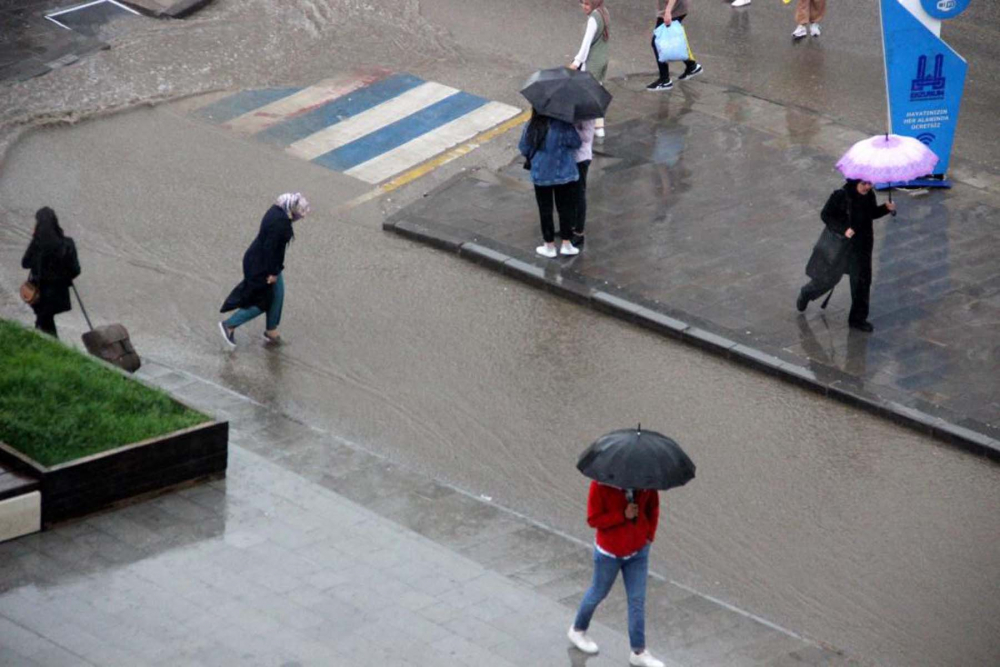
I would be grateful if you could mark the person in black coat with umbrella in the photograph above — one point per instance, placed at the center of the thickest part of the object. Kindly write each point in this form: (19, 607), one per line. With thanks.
(849, 212)
(52, 260)
(263, 288)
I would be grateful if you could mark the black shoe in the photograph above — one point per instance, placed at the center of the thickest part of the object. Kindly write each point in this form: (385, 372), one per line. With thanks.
(801, 303)
(690, 72)
(862, 326)
(578, 240)
(660, 85)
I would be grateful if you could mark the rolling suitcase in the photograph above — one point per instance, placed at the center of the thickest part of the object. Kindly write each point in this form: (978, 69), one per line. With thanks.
(110, 343)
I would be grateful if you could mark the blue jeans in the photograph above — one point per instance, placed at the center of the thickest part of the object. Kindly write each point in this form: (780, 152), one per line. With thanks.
(634, 571)
(244, 315)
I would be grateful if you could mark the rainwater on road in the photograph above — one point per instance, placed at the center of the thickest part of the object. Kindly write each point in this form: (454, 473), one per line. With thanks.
(820, 518)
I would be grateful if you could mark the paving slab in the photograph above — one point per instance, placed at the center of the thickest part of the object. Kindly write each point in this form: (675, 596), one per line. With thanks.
(272, 567)
(703, 209)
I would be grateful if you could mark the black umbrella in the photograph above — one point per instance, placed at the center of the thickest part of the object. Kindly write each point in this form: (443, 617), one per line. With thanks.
(636, 459)
(566, 94)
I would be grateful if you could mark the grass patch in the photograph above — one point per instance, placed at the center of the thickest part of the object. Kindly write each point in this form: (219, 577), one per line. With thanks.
(57, 405)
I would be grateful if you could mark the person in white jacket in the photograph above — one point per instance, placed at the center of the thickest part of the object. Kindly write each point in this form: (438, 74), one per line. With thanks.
(593, 54)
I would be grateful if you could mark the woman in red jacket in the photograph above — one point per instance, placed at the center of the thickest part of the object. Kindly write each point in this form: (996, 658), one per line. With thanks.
(626, 526)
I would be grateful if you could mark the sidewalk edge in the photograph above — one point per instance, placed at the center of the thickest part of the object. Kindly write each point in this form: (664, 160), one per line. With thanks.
(567, 284)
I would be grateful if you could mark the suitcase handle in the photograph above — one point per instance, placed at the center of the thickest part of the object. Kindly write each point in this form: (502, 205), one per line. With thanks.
(82, 309)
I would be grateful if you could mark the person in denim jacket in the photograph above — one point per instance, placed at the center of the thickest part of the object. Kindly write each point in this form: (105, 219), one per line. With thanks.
(549, 146)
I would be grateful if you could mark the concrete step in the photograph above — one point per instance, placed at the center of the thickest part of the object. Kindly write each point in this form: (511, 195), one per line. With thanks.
(20, 504)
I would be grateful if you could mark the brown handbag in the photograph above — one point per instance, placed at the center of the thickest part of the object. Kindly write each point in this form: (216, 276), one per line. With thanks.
(30, 292)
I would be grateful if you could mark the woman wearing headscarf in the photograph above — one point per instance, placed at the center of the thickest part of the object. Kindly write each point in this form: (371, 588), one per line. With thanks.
(52, 260)
(849, 212)
(593, 54)
(263, 287)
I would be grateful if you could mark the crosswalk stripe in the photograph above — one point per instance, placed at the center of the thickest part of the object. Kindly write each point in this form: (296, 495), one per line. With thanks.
(402, 131)
(236, 105)
(301, 102)
(369, 121)
(338, 110)
(428, 145)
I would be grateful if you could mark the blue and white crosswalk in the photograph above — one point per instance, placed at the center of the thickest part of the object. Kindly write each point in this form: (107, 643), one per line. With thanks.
(370, 127)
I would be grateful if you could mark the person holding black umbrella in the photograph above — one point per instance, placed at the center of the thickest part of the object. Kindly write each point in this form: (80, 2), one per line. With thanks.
(549, 146)
(626, 466)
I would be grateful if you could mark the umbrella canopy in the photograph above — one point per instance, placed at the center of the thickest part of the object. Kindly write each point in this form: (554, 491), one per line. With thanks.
(566, 94)
(887, 158)
(636, 459)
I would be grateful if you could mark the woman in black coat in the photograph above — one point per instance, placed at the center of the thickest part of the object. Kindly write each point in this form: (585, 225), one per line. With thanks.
(263, 288)
(849, 212)
(52, 260)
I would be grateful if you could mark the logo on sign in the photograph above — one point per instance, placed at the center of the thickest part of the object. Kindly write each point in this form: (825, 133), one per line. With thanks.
(944, 9)
(927, 87)
(926, 138)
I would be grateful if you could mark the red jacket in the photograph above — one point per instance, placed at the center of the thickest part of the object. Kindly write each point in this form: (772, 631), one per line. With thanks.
(616, 534)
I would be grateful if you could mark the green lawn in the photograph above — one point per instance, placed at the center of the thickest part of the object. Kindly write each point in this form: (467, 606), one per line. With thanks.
(57, 404)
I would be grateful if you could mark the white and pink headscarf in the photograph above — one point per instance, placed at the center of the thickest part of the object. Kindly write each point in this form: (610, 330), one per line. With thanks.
(293, 204)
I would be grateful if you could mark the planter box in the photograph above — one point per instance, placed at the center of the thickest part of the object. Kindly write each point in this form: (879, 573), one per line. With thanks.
(98, 481)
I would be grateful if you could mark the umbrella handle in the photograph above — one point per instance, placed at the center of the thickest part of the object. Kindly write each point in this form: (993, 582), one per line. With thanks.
(890, 201)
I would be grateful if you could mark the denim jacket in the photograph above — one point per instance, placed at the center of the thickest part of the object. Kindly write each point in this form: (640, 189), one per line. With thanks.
(554, 163)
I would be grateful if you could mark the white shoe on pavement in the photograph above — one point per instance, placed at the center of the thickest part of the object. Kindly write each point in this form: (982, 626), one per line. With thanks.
(579, 639)
(800, 32)
(644, 659)
(568, 249)
(740, 3)
(599, 132)
(546, 250)
(814, 30)
(227, 334)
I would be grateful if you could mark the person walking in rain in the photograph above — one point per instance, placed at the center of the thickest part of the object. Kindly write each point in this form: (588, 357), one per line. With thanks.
(667, 12)
(593, 54)
(808, 14)
(549, 147)
(626, 527)
(849, 212)
(263, 287)
(53, 264)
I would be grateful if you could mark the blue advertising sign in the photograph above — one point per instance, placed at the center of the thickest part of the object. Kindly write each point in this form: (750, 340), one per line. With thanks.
(944, 9)
(925, 79)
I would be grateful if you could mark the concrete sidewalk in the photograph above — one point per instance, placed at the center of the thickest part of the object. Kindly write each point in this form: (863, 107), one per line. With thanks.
(315, 552)
(703, 209)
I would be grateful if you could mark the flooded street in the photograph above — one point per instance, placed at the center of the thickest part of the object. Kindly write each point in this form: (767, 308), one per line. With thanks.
(820, 518)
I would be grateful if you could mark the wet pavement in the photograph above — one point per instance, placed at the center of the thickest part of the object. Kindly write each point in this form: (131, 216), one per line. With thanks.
(315, 552)
(704, 206)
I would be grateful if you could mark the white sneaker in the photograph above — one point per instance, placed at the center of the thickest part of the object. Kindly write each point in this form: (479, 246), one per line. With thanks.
(800, 32)
(569, 249)
(546, 251)
(581, 641)
(644, 659)
(228, 336)
(599, 132)
(814, 30)
(740, 3)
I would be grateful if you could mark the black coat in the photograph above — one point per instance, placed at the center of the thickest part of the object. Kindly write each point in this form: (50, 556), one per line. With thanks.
(265, 257)
(848, 209)
(53, 268)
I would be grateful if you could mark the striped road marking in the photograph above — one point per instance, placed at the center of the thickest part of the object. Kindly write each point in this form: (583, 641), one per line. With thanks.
(374, 126)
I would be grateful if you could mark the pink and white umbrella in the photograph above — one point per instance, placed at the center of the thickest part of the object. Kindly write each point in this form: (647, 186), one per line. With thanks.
(888, 158)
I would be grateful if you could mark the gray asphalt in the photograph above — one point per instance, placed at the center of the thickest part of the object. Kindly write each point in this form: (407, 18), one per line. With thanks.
(820, 518)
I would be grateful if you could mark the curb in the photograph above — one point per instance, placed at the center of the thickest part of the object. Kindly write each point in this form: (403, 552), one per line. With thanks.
(567, 283)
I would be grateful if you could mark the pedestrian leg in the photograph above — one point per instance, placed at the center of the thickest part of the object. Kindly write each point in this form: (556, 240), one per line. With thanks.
(605, 572)
(544, 195)
(581, 202)
(635, 571)
(566, 198)
(663, 68)
(242, 316)
(277, 303)
(691, 66)
(817, 10)
(46, 323)
(861, 284)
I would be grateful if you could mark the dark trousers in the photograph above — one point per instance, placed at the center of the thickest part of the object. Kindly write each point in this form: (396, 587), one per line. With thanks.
(46, 322)
(859, 269)
(581, 197)
(665, 67)
(565, 202)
